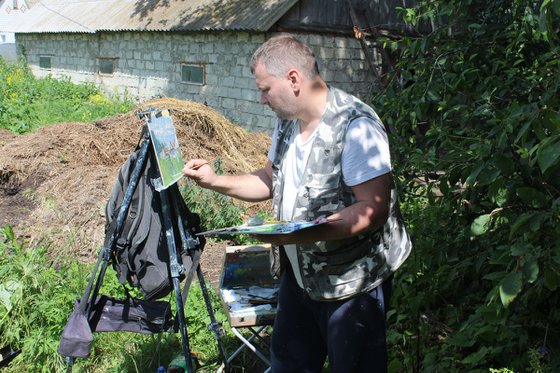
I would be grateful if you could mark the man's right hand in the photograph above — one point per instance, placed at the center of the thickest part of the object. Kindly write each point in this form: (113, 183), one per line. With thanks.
(253, 187)
(200, 171)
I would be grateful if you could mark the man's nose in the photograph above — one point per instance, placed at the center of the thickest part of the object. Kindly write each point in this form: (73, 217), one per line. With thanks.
(263, 100)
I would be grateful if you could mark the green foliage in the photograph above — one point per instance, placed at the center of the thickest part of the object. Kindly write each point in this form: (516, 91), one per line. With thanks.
(215, 210)
(37, 293)
(475, 109)
(203, 341)
(36, 297)
(26, 103)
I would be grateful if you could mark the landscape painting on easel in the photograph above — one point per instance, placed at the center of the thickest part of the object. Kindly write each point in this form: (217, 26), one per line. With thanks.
(166, 148)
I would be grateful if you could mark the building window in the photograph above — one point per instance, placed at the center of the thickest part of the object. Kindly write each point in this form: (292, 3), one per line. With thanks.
(194, 73)
(106, 65)
(45, 62)
(2, 38)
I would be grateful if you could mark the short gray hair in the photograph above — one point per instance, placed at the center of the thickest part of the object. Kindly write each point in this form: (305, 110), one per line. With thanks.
(283, 52)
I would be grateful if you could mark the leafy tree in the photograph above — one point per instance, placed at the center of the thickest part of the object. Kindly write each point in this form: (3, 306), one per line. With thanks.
(474, 105)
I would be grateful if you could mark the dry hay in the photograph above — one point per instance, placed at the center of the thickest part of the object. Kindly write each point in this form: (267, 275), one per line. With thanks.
(54, 183)
(227, 141)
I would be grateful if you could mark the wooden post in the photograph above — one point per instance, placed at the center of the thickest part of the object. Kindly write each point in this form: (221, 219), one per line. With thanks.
(360, 36)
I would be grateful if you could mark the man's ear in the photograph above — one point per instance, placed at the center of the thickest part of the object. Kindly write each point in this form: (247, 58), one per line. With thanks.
(294, 77)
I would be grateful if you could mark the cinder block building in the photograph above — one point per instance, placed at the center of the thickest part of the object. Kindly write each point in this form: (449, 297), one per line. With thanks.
(200, 49)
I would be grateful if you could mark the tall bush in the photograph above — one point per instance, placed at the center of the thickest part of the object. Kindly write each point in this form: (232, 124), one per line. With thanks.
(475, 109)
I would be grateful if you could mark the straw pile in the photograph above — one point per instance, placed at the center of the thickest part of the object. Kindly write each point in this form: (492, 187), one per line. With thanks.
(54, 183)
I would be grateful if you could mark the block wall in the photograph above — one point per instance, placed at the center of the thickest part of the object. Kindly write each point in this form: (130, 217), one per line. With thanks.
(148, 65)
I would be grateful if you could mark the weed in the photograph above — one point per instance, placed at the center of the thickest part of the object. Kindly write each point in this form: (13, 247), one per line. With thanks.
(37, 293)
(27, 103)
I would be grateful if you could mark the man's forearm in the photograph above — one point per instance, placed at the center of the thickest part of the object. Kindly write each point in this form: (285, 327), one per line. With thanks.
(356, 219)
(368, 214)
(253, 187)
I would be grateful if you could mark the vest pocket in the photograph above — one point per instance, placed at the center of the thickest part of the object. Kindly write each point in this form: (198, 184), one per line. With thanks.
(323, 197)
(351, 263)
(345, 255)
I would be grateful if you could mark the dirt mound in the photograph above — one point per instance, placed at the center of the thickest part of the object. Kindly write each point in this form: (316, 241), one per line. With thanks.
(54, 183)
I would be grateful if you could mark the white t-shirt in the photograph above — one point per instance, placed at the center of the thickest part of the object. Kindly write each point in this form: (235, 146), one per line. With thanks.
(364, 157)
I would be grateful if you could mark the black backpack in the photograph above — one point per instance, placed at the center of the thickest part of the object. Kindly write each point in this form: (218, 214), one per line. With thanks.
(140, 255)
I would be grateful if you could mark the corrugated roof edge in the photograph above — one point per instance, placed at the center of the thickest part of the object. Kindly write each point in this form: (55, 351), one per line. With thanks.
(46, 18)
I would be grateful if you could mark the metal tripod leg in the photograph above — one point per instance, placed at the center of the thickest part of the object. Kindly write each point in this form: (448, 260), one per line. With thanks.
(215, 326)
(176, 270)
(192, 246)
(106, 251)
(89, 296)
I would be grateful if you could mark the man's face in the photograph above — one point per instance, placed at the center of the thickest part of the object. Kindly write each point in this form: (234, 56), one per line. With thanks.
(275, 92)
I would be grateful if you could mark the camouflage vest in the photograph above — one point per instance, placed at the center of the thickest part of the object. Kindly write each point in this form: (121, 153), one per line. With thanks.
(338, 269)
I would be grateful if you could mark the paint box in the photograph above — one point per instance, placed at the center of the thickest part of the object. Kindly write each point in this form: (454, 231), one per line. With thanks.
(247, 289)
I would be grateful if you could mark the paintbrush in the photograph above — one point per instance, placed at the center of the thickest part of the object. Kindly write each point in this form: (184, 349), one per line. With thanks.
(200, 165)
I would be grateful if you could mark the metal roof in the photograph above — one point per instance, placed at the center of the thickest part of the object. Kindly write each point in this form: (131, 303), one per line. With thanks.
(90, 16)
(7, 11)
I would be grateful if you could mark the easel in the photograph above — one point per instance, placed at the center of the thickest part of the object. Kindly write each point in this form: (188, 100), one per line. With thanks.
(191, 250)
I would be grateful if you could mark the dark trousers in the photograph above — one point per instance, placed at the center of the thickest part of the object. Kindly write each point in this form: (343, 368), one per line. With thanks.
(351, 332)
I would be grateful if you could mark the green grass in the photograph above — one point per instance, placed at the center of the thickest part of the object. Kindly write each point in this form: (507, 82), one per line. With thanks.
(27, 103)
(37, 293)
